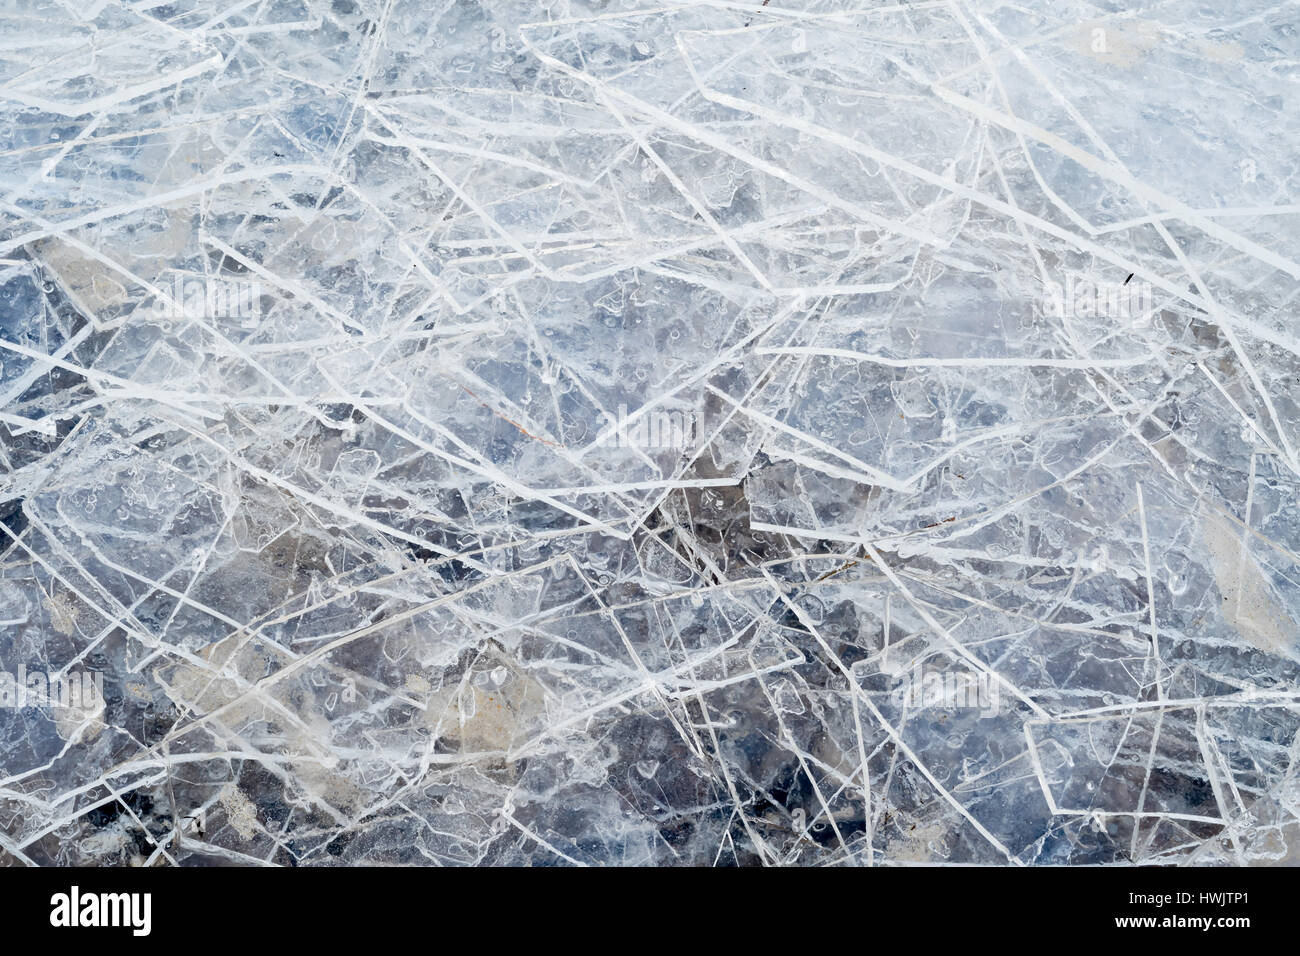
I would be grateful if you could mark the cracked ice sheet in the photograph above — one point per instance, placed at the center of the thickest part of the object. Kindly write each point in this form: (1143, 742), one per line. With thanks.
(619, 433)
